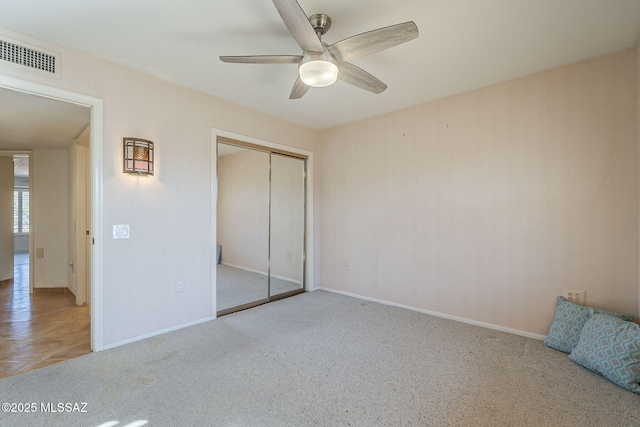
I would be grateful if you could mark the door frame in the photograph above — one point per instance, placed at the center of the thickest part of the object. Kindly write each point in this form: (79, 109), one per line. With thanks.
(308, 244)
(96, 164)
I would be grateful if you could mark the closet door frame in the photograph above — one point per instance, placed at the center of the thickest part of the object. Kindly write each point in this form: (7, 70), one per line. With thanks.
(271, 148)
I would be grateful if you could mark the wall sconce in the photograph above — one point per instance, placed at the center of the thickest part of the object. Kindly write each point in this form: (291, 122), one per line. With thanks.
(138, 156)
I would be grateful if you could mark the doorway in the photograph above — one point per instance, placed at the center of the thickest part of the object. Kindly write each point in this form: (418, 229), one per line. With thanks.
(261, 224)
(50, 206)
(94, 107)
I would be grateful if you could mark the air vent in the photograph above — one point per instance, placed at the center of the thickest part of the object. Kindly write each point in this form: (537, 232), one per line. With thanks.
(29, 57)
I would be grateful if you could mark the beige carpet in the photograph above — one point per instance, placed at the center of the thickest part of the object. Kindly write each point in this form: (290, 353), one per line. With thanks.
(321, 359)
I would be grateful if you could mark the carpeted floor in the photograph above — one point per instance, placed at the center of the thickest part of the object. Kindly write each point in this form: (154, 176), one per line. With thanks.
(322, 359)
(236, 286)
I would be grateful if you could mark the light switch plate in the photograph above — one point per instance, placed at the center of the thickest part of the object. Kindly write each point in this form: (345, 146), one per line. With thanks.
(121, 231)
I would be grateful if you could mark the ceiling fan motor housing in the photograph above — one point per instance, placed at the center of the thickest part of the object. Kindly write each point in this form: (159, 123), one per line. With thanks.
(320, 23)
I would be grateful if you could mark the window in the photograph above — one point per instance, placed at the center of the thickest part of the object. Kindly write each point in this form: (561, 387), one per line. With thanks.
(20, 211)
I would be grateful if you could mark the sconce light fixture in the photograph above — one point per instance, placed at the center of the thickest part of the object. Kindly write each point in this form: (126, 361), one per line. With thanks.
(138, 156)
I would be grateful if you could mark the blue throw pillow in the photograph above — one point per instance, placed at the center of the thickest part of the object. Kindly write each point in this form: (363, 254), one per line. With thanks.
(568, 322)
(611, 347)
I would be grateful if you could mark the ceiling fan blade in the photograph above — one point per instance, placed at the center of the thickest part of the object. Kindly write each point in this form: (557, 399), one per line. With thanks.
(298, 24)
(353, 75)
(299, 89)
(262, 59)
(374, 41)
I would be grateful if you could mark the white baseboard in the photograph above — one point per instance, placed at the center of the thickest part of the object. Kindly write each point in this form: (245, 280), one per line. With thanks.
(442, 315)
(349, 294)
(153, 334)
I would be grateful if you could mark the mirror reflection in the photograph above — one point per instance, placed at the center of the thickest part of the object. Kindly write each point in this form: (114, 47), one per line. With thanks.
(287, 224)
(242, 227)
(260, 226)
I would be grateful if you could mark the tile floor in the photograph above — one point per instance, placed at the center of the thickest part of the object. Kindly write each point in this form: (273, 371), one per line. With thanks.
(38, 329)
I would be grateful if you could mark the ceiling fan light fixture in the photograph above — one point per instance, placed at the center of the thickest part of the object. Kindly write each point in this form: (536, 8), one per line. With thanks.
(321, 64)
(319, 73)
(318, 69)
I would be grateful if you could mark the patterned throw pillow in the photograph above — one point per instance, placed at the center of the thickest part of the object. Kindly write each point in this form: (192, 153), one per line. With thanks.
(568, 322)
(611, 347)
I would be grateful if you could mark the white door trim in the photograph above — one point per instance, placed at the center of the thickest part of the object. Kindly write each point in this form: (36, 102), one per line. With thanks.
(96, 148)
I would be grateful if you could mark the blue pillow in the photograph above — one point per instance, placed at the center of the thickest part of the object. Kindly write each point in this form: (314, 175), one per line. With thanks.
(611, 347)
(568, 322)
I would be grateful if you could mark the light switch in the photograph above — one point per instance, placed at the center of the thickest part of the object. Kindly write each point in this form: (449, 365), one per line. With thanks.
(121, 231)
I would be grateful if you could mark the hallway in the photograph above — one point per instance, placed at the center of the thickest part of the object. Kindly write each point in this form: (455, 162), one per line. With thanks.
(38, 329)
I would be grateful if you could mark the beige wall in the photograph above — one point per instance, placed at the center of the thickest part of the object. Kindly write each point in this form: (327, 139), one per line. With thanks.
(488, 204)
(72, 202)
(77, 221)
(243, 210)
(49, 214)
(6, 217)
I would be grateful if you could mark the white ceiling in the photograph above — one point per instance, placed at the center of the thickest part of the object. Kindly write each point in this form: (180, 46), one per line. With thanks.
(34, 122)
(463, 45)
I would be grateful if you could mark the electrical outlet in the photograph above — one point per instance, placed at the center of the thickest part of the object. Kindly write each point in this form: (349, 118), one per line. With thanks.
(289, 256)
(346, 265)
(179, 286)
(577, 296)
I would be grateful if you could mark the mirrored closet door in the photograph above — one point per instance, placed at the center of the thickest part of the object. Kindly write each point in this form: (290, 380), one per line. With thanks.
(260, 225)
(287, 224)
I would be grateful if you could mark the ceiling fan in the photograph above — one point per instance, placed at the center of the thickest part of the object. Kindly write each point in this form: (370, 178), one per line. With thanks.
(320, 65)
